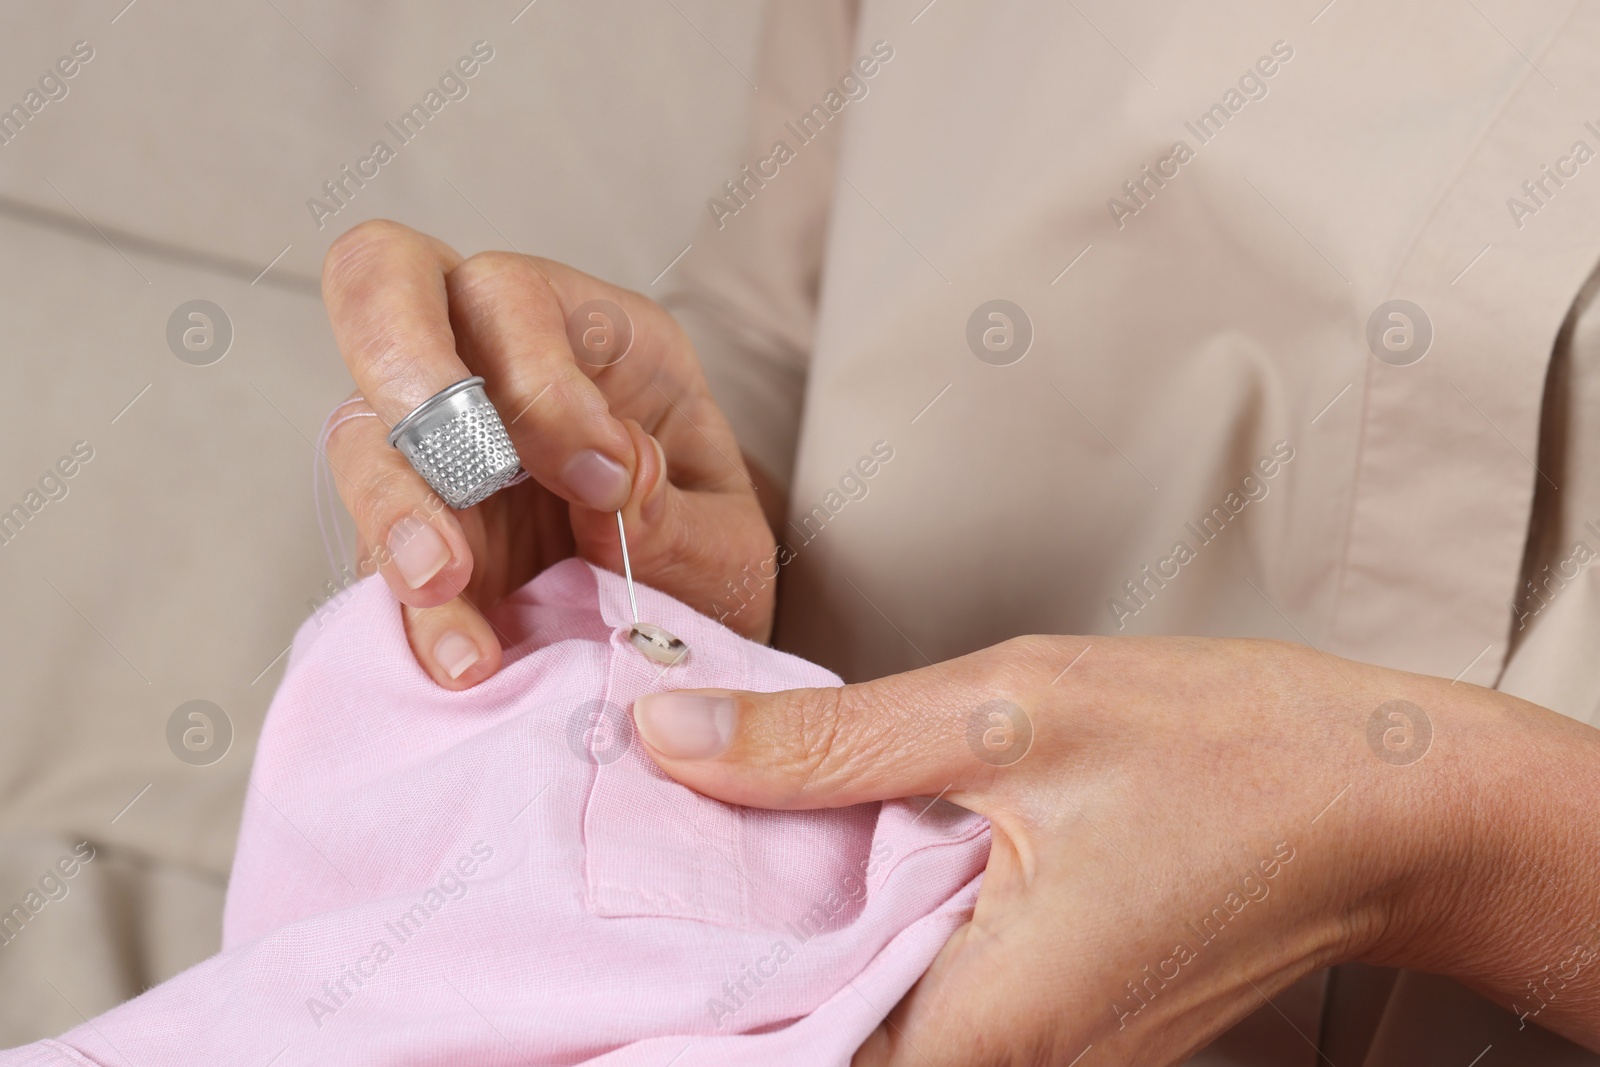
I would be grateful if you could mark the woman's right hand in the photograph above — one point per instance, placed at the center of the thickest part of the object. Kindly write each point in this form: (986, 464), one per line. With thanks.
(1183, 826)
(596, 433)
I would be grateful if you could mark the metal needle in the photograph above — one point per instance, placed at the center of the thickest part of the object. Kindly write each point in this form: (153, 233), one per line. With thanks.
(627, 568)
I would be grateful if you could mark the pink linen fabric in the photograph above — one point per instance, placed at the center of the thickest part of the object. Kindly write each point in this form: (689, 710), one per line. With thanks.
(503, 876)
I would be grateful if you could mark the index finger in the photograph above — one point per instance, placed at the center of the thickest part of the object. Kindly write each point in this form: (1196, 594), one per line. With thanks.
(384, 287)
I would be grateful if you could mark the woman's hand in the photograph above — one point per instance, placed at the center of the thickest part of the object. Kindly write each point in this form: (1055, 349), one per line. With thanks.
(1183, 827)
(600, 424)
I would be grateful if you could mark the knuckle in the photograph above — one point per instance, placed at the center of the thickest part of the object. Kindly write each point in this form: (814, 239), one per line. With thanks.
(1019, 660)
(810, 732)
(521, 382)
(1030, 646)
(489, 280)
(399, 353)
(382, 501)
(353, 251)
(686, 546)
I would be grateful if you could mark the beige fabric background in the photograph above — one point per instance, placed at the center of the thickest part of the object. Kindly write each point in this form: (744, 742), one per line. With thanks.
(186, 551)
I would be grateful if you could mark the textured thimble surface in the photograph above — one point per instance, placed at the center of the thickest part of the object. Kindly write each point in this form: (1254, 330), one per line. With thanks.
(456, 441)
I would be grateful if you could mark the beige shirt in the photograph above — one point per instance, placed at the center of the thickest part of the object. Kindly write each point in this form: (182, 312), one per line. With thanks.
(1282, 291)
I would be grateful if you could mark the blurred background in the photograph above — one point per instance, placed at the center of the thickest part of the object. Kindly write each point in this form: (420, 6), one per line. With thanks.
(174, 563)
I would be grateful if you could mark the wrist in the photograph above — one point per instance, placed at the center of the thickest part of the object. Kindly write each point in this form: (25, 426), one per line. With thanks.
(1443, 865)
(1499, 829)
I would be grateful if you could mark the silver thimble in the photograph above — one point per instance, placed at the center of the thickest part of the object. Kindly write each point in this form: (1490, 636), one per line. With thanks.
(456, 441)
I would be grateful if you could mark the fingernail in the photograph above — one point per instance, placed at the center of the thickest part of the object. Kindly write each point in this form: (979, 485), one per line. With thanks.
(599, 481)
(417, 550)
(455, 652)
(685, 725)
(650, 510)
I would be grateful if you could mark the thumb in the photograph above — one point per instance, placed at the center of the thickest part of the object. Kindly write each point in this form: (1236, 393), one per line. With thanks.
(901, 736)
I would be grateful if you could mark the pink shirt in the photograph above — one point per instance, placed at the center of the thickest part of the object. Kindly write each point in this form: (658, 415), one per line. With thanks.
(503, 875)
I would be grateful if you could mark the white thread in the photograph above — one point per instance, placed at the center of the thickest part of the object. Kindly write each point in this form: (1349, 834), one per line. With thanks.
(324, 495)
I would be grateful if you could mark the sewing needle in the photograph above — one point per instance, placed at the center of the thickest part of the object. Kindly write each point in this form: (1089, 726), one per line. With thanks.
(627, 568)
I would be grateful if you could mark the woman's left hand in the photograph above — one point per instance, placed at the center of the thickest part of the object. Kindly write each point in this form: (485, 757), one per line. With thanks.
(1182, 827)
(604, 400)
